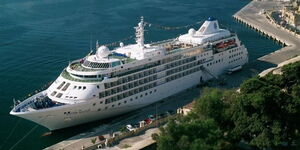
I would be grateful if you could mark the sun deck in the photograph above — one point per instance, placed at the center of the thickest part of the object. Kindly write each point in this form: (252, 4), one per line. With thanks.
(36, 102)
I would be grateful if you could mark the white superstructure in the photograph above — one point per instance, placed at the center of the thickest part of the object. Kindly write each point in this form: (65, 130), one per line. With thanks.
(112, 82)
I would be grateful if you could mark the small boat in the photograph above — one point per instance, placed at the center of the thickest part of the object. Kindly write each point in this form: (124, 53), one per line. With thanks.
(234, 69)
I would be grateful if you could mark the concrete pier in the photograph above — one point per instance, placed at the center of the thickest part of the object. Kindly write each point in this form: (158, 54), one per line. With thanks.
(251, 16)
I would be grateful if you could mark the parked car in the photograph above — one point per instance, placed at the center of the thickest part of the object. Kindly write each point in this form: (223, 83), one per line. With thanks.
(162, 115)
(152, 117)
(148, 121)
(136, 125)
(170, 112)
(129, 127)
(101, 138)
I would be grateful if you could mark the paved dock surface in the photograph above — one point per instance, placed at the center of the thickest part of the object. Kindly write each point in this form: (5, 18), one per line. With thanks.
(251, 16)
(136, 142)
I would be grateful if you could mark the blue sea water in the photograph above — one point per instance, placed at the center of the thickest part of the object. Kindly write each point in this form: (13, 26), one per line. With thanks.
(39, 38)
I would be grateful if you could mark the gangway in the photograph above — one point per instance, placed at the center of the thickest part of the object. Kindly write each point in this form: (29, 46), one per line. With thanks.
(207, 71)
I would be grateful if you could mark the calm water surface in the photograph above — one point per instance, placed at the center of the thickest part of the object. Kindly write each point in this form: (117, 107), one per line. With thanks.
(39, 38)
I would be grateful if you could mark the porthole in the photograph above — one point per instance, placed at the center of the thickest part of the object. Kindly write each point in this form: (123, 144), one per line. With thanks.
(94, 104)
(105, 107)
(131, 99)
(99, 109)
(125, 102)
(101, 102)
(119, 104)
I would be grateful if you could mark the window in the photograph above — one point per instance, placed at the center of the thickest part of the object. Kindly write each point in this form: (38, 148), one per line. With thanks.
(98, 86)
(94, 104)
(136, 97)
(101, 102)
(79, 87)
(59, 95)
(53, 93)
(99, 109)
(141, 89)
(130, 93)
(131, 99)
(105, 107)
(102, 94)
(75, 87)
(130, 78)
(112, 105)
(125, 102)
(119, 104)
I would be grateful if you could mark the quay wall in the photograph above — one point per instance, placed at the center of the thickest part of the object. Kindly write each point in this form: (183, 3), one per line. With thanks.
(257, 16)
(258, 29)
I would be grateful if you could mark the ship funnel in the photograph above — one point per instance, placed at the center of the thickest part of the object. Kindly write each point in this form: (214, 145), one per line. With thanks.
(210, 26)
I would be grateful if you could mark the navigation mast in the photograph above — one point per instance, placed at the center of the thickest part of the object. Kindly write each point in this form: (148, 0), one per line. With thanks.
(139, 33)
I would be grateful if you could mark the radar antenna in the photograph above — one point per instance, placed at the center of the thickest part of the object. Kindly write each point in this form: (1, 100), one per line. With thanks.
(97, 45)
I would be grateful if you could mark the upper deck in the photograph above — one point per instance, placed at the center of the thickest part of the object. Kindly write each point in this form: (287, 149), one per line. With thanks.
(107, 63)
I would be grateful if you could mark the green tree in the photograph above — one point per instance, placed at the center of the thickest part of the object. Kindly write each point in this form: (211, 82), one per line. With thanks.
(194, 134)
(264, 114)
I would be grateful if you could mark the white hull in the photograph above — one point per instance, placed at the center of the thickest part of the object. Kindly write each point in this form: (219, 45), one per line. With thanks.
(54, 118)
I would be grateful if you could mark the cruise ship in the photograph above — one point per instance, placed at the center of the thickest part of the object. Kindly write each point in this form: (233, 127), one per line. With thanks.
(112, 82)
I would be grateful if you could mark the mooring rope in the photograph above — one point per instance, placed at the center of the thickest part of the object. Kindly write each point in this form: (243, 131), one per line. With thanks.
(11, 133)
(24, 137)
(171, 27)
(118, 42)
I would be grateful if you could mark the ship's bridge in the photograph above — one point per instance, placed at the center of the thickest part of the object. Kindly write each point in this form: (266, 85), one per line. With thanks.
(208, 32)
(94, 67)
